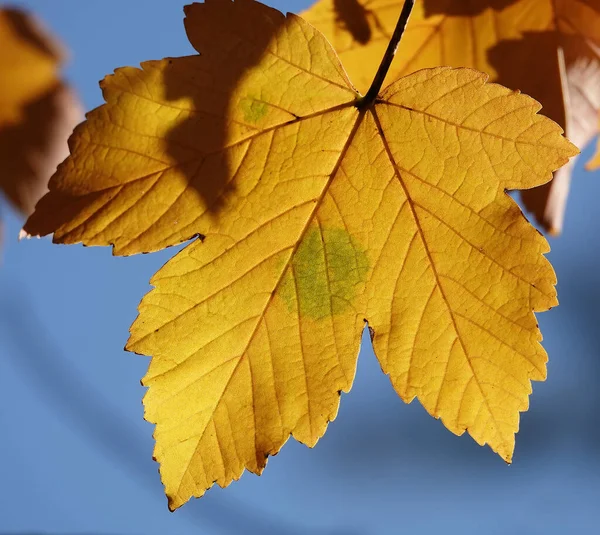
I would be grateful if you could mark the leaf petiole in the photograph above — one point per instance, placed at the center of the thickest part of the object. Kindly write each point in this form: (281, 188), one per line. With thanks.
(388, 57)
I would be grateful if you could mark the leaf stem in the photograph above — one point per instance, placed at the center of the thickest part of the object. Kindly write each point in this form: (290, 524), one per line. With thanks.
(388, 57)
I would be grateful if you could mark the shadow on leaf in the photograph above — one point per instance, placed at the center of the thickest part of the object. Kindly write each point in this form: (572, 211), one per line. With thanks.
(463, 9)
(208, 84)
(353, 16)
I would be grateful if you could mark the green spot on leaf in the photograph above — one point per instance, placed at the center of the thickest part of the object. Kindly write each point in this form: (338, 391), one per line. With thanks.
(254, 110)
(326, 274)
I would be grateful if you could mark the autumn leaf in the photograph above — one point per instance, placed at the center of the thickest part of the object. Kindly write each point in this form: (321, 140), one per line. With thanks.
(546, 48)
(37, 110)
(318, 210)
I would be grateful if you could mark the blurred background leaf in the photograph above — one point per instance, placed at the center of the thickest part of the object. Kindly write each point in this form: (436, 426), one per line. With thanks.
(38, 110)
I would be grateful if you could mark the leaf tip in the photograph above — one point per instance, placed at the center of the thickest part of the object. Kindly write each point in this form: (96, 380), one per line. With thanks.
(24, 235)
(506, 452)
(171, 504)
(554, 231)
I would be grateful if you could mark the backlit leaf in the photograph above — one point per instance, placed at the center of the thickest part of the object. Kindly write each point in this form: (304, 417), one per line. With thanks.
(316, 213)
(541, 47)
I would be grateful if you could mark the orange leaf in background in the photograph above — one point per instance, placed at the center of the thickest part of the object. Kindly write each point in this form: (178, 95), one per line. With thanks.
(548, 49)
(318, 210)
(37, 110)
(594, 162)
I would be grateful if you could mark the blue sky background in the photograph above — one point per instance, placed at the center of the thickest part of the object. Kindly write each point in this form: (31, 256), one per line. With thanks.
(75, 452)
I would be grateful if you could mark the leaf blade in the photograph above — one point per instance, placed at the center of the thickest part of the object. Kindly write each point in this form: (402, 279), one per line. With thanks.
(396, 215)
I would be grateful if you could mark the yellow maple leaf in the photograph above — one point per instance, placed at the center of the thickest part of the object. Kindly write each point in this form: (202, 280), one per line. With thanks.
(318, 210)
(546, 48)
(37, 111)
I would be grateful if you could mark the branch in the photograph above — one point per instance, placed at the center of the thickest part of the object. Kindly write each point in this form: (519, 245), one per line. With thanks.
(388, 57)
